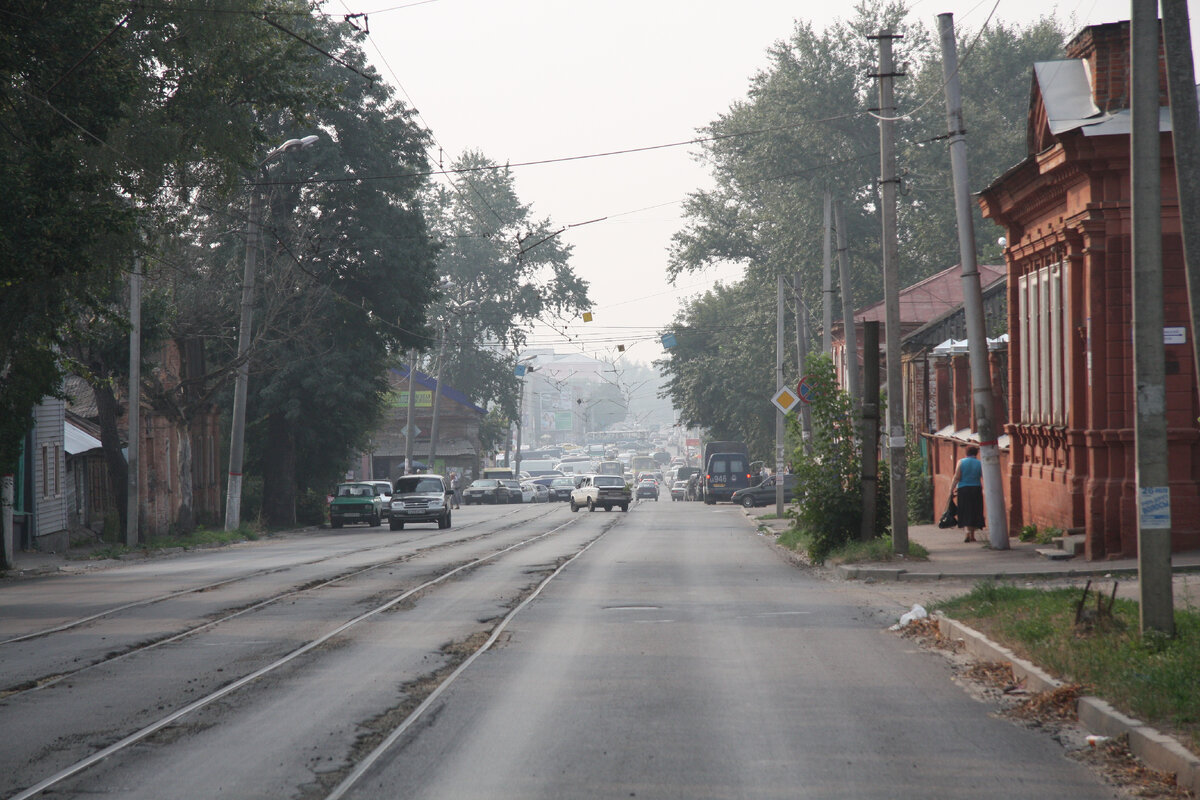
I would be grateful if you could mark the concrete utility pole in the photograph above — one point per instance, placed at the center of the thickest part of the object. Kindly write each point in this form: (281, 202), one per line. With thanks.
(779, 421)
(1177, 41)
(981, 374)
(409, 436)
(848, 328)
(1149, 361)
(888, 185)
(801, 360)
(870, 429)
(135, 406)
(437, 393)
(7, 496)
(827, 278)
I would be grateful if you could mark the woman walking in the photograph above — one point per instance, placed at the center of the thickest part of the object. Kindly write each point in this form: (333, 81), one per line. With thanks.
(968, 481)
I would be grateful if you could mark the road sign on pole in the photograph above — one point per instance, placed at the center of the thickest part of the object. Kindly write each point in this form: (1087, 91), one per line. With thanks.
(785, 399)
(805, 390)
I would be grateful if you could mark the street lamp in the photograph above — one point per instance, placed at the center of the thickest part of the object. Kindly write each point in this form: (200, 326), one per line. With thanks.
(233, 493)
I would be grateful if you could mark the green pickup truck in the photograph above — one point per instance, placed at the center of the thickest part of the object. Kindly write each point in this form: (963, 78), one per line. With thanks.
(356, 502)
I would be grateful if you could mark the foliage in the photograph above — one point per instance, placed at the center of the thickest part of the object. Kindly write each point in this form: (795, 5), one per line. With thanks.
(507, 262)
(805, 126)
(1152, 678)
(720, 374)
(829, 509)
(919, 486)
(1032, 533)
(64, 226)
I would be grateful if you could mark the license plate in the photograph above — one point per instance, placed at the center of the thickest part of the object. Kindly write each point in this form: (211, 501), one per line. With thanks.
(718, 486)
(414, 511)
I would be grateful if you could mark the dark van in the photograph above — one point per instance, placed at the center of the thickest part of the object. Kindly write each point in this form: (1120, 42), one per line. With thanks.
(724, 475)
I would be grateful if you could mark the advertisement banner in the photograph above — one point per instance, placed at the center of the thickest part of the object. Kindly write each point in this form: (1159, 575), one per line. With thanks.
(564, 421)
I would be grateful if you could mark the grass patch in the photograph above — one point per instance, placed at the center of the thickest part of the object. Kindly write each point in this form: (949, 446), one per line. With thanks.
(877, 549)
(1152, 678)
(201, 537)
(855, 552)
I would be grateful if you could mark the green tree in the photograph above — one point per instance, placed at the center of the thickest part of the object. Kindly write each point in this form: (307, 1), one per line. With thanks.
(721, 373)
(506, 261)
(64, 224)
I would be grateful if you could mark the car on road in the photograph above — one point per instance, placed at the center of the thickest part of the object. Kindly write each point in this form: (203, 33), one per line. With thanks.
(421, 498)
(601, 491)
(764, 493)
(485, 490)
(356, 502)
(515, 493)
(679, 490)
(561, 488)
(648, 487)
(385, 493)
(536, 492)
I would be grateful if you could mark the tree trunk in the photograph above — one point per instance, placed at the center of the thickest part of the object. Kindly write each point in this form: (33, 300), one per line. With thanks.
(279, 473)
(110, 442)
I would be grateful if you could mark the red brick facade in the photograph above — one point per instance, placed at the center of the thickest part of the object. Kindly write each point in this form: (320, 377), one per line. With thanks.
(1066, 212)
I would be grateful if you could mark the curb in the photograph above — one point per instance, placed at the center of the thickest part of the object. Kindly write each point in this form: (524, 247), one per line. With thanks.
(1161, 752)
(852, 572)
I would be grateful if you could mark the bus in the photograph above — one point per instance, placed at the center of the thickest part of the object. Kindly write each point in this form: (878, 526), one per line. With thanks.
(639, 464)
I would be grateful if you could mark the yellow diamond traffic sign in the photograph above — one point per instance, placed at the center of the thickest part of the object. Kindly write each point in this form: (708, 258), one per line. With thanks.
(785, 399)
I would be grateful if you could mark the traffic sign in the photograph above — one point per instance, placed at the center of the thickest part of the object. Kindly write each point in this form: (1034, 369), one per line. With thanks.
(805, 389)
(785, 399)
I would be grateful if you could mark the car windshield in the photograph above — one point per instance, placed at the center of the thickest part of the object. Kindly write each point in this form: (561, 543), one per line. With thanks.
(419, 485)
(605, 480)
(485, 483)
(355, 490)
(564, 482)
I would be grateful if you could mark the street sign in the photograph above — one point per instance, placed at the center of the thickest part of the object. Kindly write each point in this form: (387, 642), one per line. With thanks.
(785, 399)
(415, 431)
(805, 390)
(668, 340)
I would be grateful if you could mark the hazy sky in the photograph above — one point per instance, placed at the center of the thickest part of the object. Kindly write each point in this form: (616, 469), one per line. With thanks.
(529, 80)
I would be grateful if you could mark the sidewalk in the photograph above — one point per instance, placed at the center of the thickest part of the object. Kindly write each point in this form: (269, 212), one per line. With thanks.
(951, 559)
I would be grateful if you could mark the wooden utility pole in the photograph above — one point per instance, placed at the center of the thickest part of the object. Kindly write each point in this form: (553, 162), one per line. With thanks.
(827, 278)
(870, 428)
(889, 184)
(779, 421)
(849, 332)
(1149, 360)
(801, 360)
(984, 402)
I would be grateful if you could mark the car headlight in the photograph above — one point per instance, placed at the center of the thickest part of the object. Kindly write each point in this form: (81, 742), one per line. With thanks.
(437, 502)
(397, 505)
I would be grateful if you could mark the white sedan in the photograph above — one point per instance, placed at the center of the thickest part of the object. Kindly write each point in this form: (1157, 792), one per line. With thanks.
(528, 493)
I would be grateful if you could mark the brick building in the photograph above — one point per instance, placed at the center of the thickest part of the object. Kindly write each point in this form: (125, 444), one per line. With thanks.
(1065, 209)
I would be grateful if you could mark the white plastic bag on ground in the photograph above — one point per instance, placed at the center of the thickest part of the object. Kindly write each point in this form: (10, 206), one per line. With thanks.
(916, 612)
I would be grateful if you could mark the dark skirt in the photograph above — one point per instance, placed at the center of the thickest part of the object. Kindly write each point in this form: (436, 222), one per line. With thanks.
(970, 507)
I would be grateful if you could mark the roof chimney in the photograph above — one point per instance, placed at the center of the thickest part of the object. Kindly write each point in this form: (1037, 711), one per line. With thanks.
(1106, 49)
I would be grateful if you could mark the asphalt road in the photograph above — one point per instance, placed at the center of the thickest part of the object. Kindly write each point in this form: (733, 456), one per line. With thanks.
(666, 652)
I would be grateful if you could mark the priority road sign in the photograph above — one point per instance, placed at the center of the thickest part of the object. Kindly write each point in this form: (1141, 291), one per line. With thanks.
(785, 399)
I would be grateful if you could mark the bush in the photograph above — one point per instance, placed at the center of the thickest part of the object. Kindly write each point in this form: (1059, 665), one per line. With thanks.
(828, 502)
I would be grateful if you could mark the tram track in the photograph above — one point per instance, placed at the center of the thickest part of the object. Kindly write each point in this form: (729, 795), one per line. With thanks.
(41, 682)
(407, 595)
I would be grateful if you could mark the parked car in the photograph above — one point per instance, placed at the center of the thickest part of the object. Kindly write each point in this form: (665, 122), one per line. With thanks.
(485, 490)
(515, 494)
(536, 492)
(356, 502)
(561, 488)
(764, 493)
(647, 488)
(679, 490)
(385, 493)
(601, 491)
(421, 498)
